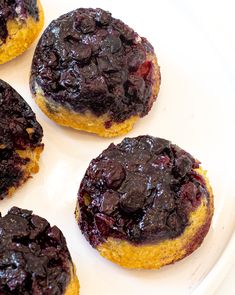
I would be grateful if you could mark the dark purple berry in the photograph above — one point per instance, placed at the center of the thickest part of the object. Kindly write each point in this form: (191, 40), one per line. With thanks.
(102, 17)
(114, 174)
(109, 202)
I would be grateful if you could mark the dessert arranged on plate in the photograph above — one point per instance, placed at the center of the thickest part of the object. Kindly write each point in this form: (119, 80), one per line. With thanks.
(143, 203)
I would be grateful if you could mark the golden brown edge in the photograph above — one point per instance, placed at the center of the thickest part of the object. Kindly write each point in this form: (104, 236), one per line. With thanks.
(73, 286)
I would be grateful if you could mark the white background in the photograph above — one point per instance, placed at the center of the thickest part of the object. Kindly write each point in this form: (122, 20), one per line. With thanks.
(194, 41)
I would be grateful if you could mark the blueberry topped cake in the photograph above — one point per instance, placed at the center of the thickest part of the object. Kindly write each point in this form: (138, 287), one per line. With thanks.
(34, 258)
(20, 140)
(92, 72)
(144, 203)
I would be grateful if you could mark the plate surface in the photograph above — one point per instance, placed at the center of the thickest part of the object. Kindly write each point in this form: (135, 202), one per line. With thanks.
(195, 110)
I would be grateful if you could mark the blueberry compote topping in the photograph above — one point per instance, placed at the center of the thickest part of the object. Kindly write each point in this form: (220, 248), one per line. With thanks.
(11, 9)
(89, 61)
(19, 130)
(141, 190)
(34, 258)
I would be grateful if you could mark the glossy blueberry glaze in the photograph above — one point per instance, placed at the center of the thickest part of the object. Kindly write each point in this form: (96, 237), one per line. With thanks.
(141, 190)
(86, 60)
(34, 259)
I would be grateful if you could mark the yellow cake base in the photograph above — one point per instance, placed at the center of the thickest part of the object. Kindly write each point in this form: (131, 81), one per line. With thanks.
(155, 256)
(84, 122)
(89, 122)
(30, 168)
(20, 36)
(73, 286)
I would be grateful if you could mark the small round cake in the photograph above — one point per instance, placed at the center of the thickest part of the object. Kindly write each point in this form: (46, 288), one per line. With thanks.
(20, 23)
(144, 203)
(92, 72)
(20, 140)
(34, 256)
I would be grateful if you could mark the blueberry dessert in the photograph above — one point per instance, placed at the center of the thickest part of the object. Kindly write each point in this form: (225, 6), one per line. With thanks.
(20, 140)
(144, 203)
(92, 72)
(20, 23)
(34, 258)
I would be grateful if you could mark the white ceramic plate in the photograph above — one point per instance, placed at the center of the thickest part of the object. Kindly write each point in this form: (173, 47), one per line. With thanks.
(195, 109)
